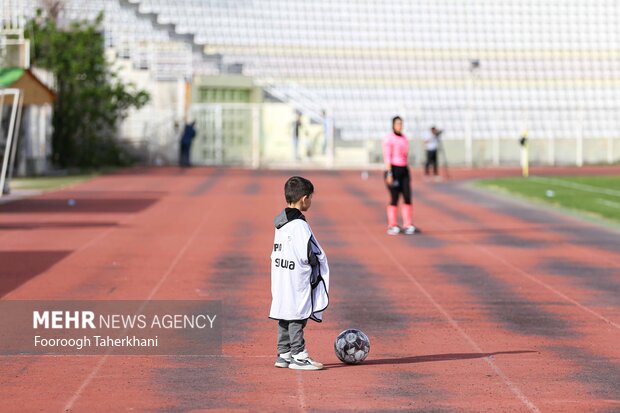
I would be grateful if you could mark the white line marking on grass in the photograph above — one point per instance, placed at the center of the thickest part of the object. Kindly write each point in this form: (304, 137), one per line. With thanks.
(608, 203)
(161, 281)
(575, 185)
(515, 390)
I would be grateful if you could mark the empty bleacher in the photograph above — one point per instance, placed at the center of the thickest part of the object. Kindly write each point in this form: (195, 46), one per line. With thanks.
(543, 64)
(480, 69)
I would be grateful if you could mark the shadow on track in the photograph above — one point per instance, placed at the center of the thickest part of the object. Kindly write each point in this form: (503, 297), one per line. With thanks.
(17, 267)
(482, 230)
(15, 226)
(427, 358)
(81, 204)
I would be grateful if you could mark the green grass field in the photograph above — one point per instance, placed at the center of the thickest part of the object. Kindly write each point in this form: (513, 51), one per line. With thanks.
(48, 183)
(594, 196)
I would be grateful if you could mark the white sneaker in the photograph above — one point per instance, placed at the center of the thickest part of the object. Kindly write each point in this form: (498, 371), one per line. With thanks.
(302, 361)
(410, 230)
(393, 230)
(283, 360)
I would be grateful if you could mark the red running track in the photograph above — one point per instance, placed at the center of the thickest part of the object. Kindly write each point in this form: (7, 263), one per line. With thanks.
(496, 307)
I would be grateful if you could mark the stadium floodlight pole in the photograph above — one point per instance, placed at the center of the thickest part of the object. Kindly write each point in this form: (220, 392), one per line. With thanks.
(474, 65)
(7, 149)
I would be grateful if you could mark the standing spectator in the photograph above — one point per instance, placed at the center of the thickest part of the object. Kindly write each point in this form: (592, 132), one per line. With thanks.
(431, 143)
(188, 135)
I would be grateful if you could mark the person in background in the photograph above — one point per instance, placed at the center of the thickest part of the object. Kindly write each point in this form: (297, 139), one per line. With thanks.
(395, 156)
(431, 143)
(187, 137)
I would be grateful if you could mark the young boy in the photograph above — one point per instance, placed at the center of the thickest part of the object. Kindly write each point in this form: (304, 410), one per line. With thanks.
(299, 277)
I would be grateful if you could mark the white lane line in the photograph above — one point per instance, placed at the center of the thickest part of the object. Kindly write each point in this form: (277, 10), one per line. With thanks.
(161, 281)
(575, 185)
(515, 390)
(120, 224)
(301, 395)
(536, 279)
(542, 283)
(231, 356)
(539, 281)
(608, 203)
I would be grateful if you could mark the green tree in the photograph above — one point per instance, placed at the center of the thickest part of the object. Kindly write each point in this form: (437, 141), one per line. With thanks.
(91, 99)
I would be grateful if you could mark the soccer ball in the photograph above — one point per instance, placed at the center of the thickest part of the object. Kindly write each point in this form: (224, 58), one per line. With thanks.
(352, 346)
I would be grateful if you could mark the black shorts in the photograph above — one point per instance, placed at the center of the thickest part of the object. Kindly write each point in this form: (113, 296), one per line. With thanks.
(402, 185)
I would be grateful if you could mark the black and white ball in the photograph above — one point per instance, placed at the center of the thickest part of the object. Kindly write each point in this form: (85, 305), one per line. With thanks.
(352, 346)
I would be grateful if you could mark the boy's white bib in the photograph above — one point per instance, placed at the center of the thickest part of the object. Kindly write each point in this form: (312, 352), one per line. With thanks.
(293, 298)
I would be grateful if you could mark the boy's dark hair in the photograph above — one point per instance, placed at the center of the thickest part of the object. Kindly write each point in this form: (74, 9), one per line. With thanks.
(395, 118)
(296, 188)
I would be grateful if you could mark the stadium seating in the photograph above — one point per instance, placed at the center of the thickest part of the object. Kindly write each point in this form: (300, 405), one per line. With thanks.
(544, 65)
(491, 67)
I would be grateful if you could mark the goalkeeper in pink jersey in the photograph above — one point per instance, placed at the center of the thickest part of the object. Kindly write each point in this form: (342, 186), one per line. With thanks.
(395, 154)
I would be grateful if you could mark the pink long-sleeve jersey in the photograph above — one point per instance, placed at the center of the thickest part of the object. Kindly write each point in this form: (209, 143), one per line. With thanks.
(395, 149)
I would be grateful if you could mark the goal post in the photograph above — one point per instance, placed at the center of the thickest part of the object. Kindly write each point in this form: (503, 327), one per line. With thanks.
(14, 98)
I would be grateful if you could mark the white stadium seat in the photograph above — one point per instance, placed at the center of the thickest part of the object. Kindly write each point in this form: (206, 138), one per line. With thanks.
(366, 60)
